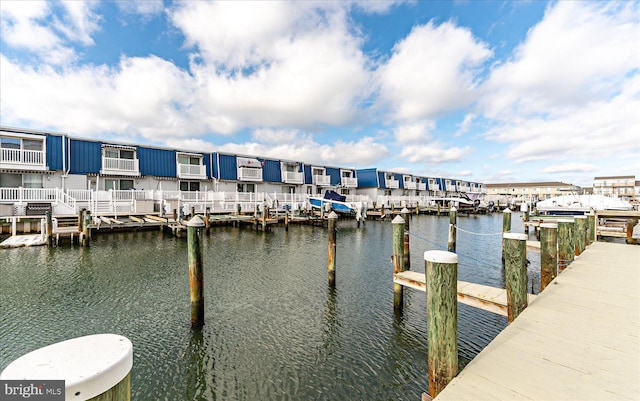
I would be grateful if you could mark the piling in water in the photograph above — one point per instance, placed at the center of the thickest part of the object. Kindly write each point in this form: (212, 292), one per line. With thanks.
(286, 217)
(406, 257)
(453, 216)
(196, 285)
(506, 227)
(441, 273)
(565, 243)
(207, 223)
(548, 253)
(86, 231)
(331, 252)
(579, 234)
(398, 225)
(515, 251)
(48, 228)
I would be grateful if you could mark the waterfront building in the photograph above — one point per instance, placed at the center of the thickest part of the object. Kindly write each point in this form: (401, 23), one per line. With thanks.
(623, 186)
(516, 192)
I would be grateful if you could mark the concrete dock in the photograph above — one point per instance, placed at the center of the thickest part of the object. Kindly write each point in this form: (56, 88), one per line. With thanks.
(580, 339)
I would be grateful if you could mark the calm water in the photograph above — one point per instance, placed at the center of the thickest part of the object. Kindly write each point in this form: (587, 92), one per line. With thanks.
(274, 330)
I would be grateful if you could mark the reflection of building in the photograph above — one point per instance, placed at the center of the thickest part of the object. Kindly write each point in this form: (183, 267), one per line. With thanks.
(624, 186)
(529, 191)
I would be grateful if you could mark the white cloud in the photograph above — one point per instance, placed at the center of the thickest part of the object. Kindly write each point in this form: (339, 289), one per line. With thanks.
(431, 71)
(578, 53)
(465, 124)
(433, 152)
(464, 173)
(569, 168)
(79, 22)
(145, 8)
(414, 133)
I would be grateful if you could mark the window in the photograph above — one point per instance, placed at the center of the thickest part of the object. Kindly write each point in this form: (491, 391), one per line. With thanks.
(318, 171)
(119, 153)
(190, 186)
(291, 168)
(246, 187)
(309, 190)
(115, 184)
(32, 181)
(186, 159)
(387, 192)
(10, 143)
(10, 180)
(288, 189)
(347, 173)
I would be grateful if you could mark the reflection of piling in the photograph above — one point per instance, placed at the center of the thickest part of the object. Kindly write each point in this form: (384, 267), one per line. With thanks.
(441, 272)
(453, 216)
(196, 285)
(548, 253)
(331, 253)
(207, 223)
(398, 225)
(286, 217)
(515, 265)
(406, 258)
(565, 243)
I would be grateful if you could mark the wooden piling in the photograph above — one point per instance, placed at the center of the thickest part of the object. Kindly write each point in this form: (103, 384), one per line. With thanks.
(196, 285)
(331, 252)
(629, 231)
(453, 232)
(579, 234)
(406, 258)
(441, 272)
(548, 253)
(398, 225)
(86, 231)
(48, 228)
(591, 228)
(506, 227)
(80, 219)
(286, 217)
(565, 243)
(515, 251)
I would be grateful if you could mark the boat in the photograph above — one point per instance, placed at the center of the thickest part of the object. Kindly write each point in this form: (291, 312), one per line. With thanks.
(338, 203)
(463, 203)
(581, 204)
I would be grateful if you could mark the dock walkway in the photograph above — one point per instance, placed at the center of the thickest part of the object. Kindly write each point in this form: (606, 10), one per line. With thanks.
(580, 339)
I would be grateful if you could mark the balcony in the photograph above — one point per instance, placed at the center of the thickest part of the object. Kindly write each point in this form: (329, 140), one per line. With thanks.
(21, 159)
(433, 186)
(391, 183)
(349, 182)
(410, 185)
(292, 177)
(421, 186)
(249, 174)
(193, 171)
(322, 180)
(115, 166)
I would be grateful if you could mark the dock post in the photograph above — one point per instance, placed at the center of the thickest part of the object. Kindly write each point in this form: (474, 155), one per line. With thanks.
(591, 228)
(81, 372)
(506, 227)
(515, 251)
(441, 273)
(565, 243)
(80, 220)
(49, 227)
(196, 286)
(286, 217)
(548, 253)
(580, 234)
(438, 210)
(86, 232)
(453, 232)
(207, 223)
(331, 252)
(406, 258)
(398, 225)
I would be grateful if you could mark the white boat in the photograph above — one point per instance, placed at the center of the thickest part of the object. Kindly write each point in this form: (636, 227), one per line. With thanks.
(463, 203)
(581, 204)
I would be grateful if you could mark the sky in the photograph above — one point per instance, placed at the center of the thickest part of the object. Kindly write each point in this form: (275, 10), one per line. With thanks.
(484, 91)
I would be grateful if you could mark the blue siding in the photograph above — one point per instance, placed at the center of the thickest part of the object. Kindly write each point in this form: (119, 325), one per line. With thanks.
(85, 157)
(215, 165)
(157, 162)
(334, 173)
(54, 152)
(400, 180)
(271, 171)
(381, 180)
(367, 178)
(228, 168)
(206, 159)
(308, 179)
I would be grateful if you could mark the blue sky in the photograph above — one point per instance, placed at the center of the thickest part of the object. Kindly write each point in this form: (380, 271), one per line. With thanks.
(487, 91)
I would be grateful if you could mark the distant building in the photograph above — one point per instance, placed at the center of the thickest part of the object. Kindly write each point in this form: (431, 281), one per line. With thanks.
(624, 186)
(529, 191)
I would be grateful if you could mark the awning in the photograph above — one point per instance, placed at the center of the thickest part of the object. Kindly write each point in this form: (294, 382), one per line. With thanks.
(13, 171)
(104, 145)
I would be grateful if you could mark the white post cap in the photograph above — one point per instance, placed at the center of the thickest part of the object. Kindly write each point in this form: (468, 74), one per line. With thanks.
(440, 257)
(548, 225)
(89, 365)
(333, 215)
(518, 236)
(404, 210)
(196, 221)
(398, 220)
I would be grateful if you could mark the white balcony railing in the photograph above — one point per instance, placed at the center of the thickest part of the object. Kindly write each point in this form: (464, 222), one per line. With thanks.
(409, 185)
(21, 157)
(322, 180)
(392, 183)
(249, 174)
(292, 177)
(111, 165)
(197, 171)
(421, 186)
(349, 182)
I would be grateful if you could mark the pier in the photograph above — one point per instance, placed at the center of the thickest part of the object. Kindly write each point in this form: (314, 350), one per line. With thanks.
(579, 340)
